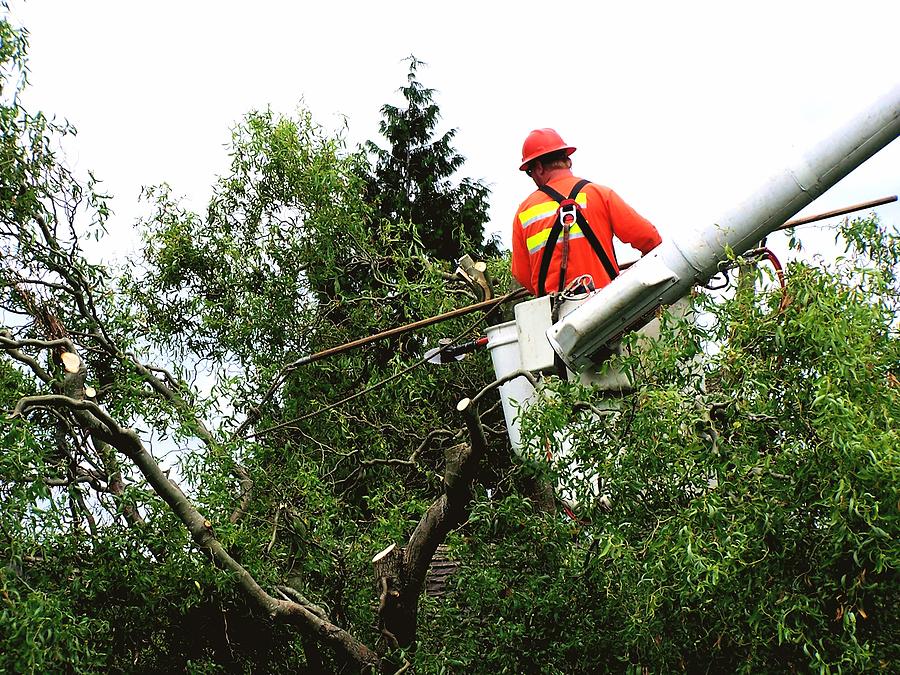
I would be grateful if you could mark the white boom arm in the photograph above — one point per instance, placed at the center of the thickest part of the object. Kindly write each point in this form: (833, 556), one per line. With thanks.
(670, 271)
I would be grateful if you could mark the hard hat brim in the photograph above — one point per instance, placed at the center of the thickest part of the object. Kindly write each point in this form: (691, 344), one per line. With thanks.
(528, 160)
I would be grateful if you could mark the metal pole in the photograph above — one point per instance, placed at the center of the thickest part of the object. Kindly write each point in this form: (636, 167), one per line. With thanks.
(462, 311)
(844, 210)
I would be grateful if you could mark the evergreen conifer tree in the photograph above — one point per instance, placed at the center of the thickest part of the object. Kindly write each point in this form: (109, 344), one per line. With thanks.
(412, 179)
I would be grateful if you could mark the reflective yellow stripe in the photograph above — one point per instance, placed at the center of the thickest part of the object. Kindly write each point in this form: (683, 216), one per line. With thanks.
(546, 209)
(543, 210)
(537, 241)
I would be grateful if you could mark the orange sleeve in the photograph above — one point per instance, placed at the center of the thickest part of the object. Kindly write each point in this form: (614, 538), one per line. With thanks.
(631, 227)
(521, 261)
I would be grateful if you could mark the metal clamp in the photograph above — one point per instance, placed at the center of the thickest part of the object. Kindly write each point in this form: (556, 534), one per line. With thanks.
(568, 212)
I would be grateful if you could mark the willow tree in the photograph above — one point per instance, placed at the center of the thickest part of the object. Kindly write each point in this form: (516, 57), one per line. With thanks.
(162, 447)
(178, 493)
(749, 483)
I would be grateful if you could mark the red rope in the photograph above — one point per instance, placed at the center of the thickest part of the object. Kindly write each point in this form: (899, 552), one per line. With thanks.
(779, 272)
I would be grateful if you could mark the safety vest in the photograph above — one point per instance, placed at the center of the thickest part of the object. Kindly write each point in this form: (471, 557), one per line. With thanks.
(538, 238)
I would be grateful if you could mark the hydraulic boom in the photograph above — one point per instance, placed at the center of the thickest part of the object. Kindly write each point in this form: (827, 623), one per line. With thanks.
(669, 272)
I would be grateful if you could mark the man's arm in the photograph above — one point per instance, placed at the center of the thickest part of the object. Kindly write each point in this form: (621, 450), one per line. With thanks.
(630, 226)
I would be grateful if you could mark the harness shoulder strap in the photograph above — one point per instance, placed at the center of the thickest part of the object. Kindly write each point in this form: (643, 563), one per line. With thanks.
(599, 251)
(555, 230)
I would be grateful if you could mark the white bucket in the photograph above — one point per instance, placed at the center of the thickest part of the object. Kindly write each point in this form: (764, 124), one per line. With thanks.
(516, 395)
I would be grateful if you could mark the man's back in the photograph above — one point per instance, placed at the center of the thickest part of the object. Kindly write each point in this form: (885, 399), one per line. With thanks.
(607, 214)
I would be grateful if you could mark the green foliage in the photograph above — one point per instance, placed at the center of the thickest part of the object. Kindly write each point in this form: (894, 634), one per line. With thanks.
(753, 499)
(411, 180)
(277, 226)
(284, 263)
(746, 519)
(40, 634)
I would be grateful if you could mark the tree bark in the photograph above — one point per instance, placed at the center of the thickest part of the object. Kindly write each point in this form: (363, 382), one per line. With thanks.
(402, 576)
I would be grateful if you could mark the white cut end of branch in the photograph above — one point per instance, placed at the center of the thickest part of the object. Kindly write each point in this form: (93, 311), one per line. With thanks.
(463, 404)
(90, 392)
(384, 553)
(481, 266)
(70, 361)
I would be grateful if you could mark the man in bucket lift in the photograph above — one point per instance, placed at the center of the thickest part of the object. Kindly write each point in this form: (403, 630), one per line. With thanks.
(562, 242)
(563, 231)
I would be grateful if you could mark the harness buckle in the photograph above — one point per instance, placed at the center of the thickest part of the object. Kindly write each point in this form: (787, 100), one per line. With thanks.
(568, 212)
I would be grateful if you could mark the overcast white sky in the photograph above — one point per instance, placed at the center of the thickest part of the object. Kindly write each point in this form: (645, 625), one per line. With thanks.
(682, 107)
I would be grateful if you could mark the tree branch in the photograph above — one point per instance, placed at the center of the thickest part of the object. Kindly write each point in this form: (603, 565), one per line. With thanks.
(246, 484)
(7, 342)
(101, 422)
(129, 443)
(399, 612)
(32, 364)
(527, 374)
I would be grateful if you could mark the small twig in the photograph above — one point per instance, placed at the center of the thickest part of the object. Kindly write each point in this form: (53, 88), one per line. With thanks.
(387, 461)
(434, 433)
(290, 424)
(585, 405)
(274, 530)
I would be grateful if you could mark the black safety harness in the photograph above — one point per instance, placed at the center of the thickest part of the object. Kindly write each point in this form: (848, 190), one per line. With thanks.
(568, 214)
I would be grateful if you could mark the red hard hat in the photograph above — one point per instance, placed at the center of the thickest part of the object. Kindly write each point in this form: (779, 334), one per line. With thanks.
(540, 142)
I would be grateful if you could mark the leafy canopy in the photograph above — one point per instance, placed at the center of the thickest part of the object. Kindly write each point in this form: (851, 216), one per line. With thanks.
(752, 489)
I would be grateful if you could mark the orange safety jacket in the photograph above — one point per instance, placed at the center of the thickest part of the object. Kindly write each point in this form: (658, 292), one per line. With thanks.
(606, 214)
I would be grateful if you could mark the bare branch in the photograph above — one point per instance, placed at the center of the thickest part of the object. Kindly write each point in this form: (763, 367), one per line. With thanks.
(7, 342)
(246, 484)
(75, 480)
(527, 374)
(411, 461)
(32, 364)
(28, 403)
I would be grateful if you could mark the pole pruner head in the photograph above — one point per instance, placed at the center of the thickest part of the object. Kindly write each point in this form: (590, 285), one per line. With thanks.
(447, 352)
